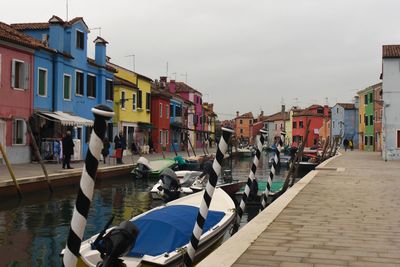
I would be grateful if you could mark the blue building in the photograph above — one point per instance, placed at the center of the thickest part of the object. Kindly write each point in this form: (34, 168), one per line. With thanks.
(345, 118)
(67, 84)
(176, 124)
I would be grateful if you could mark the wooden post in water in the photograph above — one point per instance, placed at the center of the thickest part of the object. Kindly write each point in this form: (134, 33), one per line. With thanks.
(10, 170)
(37, 154)
(190, 143)
(207, 197)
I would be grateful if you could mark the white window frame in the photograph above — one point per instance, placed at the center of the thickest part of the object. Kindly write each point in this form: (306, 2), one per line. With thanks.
(95, 83)
(123, 103)
(161, 107)
(45, 82)
(70, 87)
(83, 75)
(13, 75)
(134, 99)
(23, 132)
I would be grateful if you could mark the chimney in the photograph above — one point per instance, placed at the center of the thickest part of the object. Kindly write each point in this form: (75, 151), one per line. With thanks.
(56, 33)
(237, 113)
(163, 81)
(172, 86)
(100, 51)
(283, 108)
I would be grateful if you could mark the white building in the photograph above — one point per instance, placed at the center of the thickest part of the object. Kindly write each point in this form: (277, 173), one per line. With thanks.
(391, 102)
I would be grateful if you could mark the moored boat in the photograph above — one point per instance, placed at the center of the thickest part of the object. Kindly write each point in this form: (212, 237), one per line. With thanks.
(151, 169)
(164, 232)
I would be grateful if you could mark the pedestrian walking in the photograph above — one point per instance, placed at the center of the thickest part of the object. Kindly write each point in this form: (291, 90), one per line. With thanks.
(68, 150)
(120, 145)
(106, 148)
(346, 144)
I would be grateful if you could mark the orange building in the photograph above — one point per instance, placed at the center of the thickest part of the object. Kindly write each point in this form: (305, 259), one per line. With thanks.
(244, 126)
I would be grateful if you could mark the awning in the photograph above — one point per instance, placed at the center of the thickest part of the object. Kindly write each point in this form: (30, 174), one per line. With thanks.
(67, 119)
(145, 125)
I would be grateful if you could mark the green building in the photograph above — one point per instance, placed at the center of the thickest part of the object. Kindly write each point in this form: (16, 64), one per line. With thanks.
(366, 127)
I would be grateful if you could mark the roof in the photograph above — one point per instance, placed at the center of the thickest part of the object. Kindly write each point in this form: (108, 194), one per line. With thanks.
(156, 91)
(347, 105)
(389, 51)
(370, 88)
(8, 33)
(278, 117)
(45, 25)
(183, 87)
(123, 82)
(248, 115)
(91, 61)
(138, 74)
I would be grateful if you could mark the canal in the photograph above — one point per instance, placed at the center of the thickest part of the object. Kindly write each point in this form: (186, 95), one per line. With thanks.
(34, 230)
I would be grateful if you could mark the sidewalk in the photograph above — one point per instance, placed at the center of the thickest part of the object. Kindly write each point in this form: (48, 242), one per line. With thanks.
(34, 169)
(345, 214)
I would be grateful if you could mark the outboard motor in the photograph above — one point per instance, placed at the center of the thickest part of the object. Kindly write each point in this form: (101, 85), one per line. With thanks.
(170, 187)
(142, 168)
(116, 243)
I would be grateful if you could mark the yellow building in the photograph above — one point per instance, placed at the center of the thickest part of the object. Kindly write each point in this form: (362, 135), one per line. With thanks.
(132, 100)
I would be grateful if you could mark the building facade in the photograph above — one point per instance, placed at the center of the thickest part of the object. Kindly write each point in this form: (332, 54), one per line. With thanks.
(160, 118)
(345, 122)
(244, 127)
(391, 102)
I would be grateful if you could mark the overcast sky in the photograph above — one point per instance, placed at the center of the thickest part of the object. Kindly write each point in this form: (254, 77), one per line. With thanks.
(242, 55)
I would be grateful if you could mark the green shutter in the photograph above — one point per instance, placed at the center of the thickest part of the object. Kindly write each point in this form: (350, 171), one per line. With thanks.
(67, 93)
(42, 82)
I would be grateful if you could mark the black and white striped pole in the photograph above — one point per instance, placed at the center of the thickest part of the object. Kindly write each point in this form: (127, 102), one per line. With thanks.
(102, 113)
(214, 172)
(272, 172)
(250, 180)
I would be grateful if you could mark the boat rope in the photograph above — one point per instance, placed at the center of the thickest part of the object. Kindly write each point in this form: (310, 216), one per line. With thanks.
(214, 172)
(86, 186)
(272, 173)
(250, 180)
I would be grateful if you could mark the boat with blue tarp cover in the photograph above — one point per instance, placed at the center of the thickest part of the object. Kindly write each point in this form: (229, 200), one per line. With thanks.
(164, 232)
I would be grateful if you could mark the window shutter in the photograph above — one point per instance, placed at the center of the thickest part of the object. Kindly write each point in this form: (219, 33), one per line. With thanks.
(13, 63)
(25, 76)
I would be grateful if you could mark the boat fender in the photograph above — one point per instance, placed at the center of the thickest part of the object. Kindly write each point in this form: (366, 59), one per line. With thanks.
(117, 243)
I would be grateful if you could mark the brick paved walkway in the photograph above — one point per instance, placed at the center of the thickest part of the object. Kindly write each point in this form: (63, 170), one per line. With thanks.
(348, 217)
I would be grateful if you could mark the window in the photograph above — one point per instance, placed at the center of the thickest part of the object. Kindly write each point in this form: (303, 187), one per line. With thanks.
(139, 100)
(398, 139)
(366, 120)
(109, 90)
(19, 132)
(134, 101)
(67, 87)
(320, 111)
(20, 74)
(301, 124)
(359, 121)
(79, 83)
(178, 111)
(294, 125)
(241, 130)
(91, 86)
(195, 119)
(166, 111)
(371, 140)
(337, 110)
(148, 101)
(276, 127)
(123, 99)
(333, 124)
(171, 109)
(42, 82)
(376, 115)
(240, 121)
(370, 97)
(161, 137)
(80, 40)
(365, 99)
(366, 140)
(371, 119)
(160, 110)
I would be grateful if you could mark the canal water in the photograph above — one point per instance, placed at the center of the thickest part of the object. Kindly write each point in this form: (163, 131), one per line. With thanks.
(33, 231)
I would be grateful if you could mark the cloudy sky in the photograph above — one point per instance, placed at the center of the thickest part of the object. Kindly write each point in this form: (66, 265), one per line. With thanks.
(242, 55)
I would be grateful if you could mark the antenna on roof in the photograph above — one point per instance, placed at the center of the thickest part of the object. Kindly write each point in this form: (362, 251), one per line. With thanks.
(186, 75)
(133, 60)
(97, 28)
(326, 101)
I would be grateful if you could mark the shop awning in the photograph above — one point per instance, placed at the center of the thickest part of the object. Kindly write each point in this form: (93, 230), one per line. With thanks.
(145, 125)
(67, 119)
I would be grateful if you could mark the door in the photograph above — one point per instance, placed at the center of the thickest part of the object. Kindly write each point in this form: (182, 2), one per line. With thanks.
(2, 138)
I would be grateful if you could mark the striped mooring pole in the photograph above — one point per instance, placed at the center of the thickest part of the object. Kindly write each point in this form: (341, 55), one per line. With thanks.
(272, 173)
(102, 113)
(215, 171)
(250, 180)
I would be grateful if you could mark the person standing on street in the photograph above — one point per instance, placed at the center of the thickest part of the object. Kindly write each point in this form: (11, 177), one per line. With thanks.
(68, 150)
(120, 145)
(106, 148)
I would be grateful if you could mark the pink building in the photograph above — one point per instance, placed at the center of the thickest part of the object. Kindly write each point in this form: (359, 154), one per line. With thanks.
(196, 119)
(16, 91)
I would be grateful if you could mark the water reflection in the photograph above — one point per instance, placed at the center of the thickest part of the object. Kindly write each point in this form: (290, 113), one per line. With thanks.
(33, 231)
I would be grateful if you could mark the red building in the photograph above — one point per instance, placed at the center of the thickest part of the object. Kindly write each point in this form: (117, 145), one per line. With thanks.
(316, 115)
(160, 103)
(16, 91)
(378, 111)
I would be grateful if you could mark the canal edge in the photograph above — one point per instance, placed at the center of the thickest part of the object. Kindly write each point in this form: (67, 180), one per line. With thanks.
(230, 251)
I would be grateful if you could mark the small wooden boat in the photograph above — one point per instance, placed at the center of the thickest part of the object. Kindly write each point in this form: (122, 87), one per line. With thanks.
(254, 197)
(284, 161)
(164, 233)
(151, 169)
(187, 164)
(244, 152)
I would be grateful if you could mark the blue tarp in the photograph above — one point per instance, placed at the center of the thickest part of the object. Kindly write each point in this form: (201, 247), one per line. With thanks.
(166, 229)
